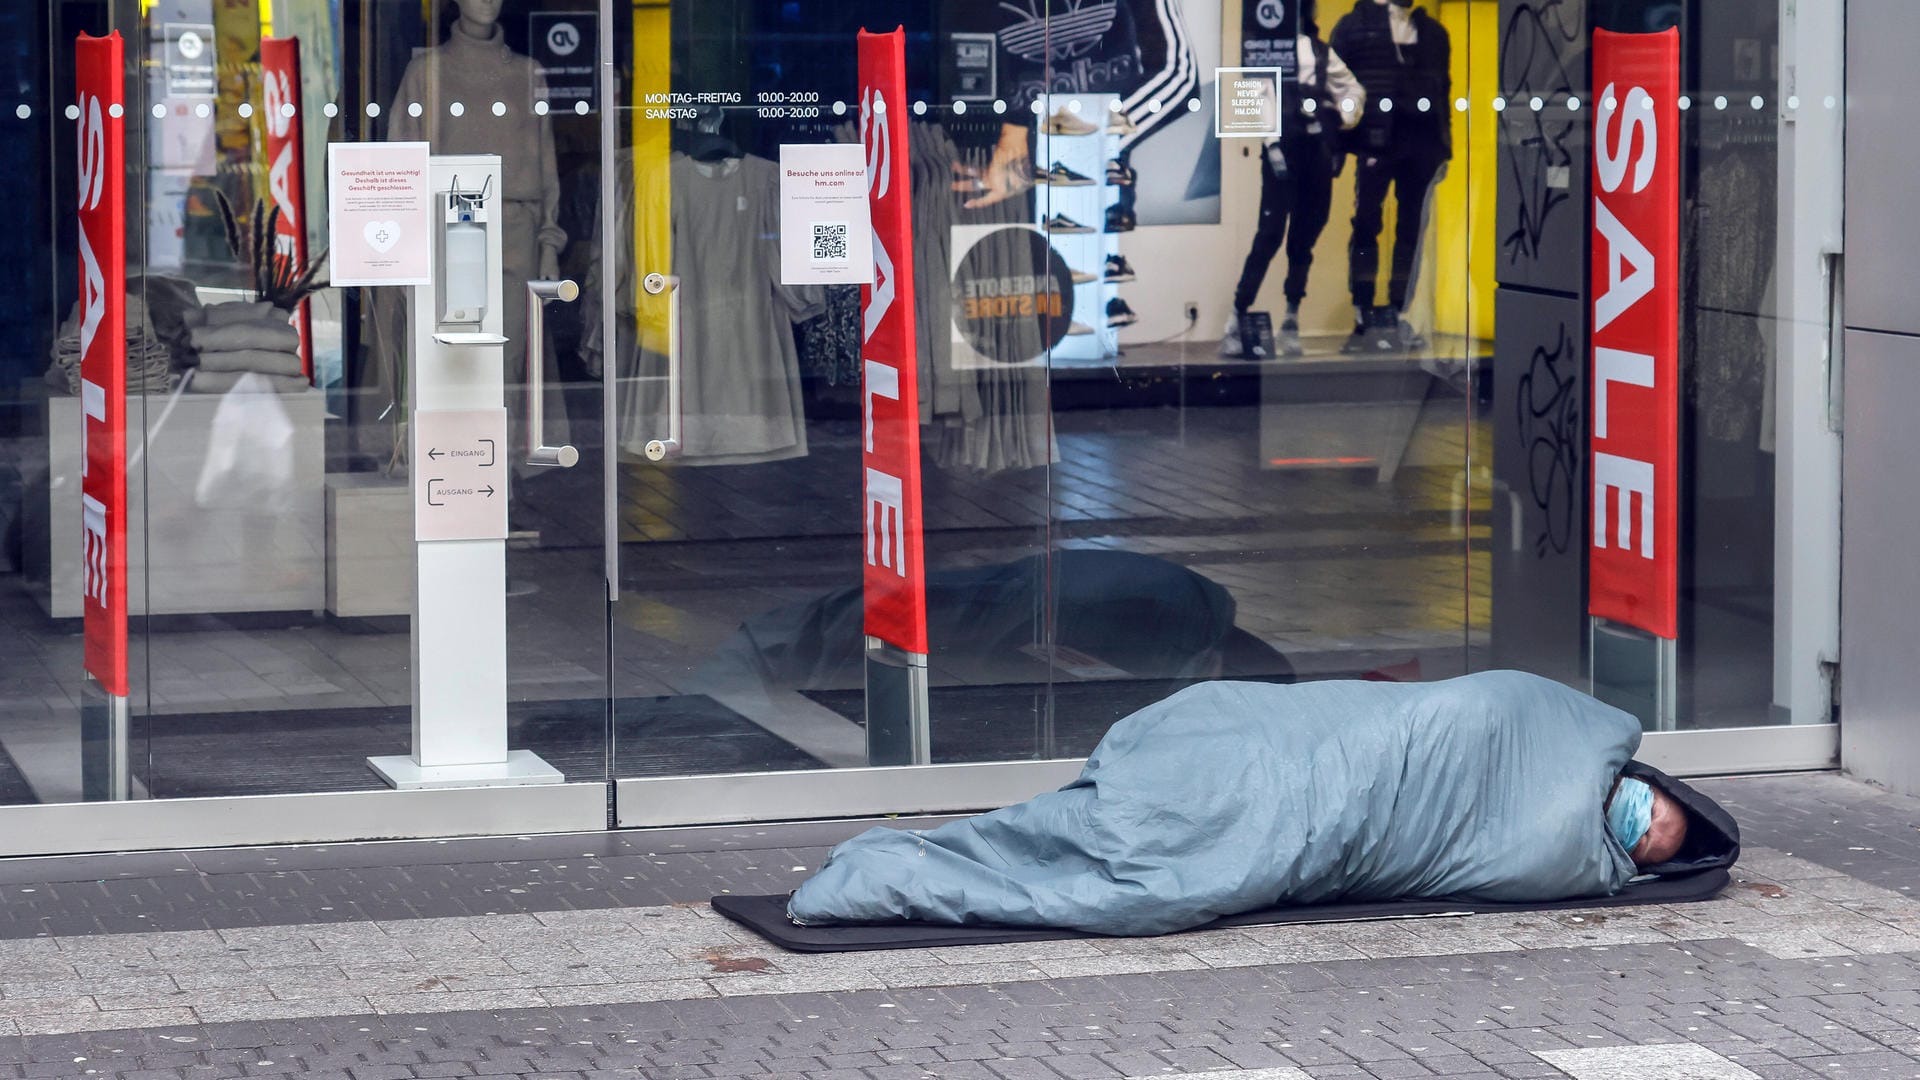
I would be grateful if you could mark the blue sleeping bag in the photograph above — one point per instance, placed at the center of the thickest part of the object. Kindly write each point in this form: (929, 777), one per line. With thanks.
(1230, 796)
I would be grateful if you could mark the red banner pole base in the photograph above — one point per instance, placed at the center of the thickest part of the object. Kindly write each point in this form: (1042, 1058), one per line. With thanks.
(106, 745)
(1635, 671)
(899, 720)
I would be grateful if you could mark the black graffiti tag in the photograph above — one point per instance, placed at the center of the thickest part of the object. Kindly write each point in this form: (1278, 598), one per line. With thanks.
(1537, 59)
(1550, 418)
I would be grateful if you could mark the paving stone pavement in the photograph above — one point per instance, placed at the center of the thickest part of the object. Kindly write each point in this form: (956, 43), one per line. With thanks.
(1839, 823)
(1805, 968)
(1849, 826)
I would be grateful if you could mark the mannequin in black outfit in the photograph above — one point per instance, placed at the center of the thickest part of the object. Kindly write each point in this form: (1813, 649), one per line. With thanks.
(1402, 55)
(1296, 184)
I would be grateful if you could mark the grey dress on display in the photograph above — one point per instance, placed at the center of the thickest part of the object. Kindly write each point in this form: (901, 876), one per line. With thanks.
(740, 365)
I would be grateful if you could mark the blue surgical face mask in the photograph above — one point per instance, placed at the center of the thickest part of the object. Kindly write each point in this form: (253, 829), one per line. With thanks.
(1631, 812)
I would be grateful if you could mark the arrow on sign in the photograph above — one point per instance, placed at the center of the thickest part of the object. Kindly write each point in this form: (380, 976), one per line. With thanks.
(434, 454)
(487, 491)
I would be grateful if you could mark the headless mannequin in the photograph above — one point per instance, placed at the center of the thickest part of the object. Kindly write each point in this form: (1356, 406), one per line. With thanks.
(1296, 184)
(474, 68)
(1400, 55)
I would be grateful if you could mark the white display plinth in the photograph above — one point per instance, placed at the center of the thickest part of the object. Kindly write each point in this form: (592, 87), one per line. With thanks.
(522, 768)
(193, 550)
(369, 545)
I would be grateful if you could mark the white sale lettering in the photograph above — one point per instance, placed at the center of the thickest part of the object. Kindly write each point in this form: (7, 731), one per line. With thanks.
(93, 160)
(880, 380)
(93, 308)
(885, 499)
(886, 539)
(1630, 278)
(94, 550)
(93, 406)
(279, 180)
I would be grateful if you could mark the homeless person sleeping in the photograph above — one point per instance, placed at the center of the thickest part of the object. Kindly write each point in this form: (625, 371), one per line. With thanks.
(1230, 796)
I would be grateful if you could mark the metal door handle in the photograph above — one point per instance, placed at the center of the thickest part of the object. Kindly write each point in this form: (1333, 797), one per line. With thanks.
(538, 452)
(662, 449)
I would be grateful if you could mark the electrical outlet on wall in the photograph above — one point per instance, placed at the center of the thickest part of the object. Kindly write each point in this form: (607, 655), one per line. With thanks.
(1193, 311)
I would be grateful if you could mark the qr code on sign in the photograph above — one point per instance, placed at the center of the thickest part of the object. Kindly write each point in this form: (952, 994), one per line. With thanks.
(830, 241)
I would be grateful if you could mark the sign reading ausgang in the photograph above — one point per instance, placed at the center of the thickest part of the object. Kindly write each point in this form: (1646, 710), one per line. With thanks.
(459, 479)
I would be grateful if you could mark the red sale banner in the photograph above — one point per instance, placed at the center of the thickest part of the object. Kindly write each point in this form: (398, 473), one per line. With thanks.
(895, 582)
(286, 169)
(1635, 284)
(100, 128)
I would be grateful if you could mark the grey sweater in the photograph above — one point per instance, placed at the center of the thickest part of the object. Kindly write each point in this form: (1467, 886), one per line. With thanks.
(476, 73)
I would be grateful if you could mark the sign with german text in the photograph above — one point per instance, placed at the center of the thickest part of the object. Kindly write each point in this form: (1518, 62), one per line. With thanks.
(895, 578)
(826, 235)
(380, 218)
(459, 475)
(1634, 284)
(286, 169)
(102, 208)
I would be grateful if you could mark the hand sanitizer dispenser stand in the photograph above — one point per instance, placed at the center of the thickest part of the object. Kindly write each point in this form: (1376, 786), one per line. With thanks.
(460, 466)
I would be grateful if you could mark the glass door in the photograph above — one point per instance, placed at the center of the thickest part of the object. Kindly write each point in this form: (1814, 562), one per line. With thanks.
(300, 620)
(750, 506)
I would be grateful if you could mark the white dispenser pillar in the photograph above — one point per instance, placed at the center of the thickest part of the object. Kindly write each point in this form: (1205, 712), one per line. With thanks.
(460, 463)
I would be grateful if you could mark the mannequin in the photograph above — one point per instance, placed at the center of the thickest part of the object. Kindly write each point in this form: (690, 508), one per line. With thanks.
(1296, 183)
(474, 68)
(1401, 55)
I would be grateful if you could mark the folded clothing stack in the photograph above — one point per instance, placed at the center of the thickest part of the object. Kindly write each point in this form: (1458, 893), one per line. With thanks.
(238, 339)
(149, 361)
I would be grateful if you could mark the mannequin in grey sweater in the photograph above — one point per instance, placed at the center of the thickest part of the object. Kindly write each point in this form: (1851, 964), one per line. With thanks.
(474, 69)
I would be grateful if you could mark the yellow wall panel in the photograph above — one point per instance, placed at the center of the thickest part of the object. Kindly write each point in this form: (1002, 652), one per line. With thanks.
(1461, 248)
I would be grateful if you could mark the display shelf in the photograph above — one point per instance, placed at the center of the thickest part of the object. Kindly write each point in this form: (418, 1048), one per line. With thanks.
(1085, 253)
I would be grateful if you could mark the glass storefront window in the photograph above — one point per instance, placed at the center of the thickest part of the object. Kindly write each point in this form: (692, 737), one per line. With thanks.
(1192, 400)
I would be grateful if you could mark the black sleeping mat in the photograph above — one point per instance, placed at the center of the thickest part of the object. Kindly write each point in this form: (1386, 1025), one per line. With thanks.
(767, 916)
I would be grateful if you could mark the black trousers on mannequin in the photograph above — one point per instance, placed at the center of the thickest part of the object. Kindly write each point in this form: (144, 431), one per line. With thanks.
(1409, 174)
(1293, 208)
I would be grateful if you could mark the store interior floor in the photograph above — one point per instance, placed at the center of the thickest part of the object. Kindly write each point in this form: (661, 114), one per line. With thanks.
(1349, 560)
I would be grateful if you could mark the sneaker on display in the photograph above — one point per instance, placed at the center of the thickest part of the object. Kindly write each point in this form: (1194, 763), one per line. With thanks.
(1061, 176)
(1118, 269)
(1361, 340)
(1119, 175)
(1288, 339)
(1383, 333)
(1063, 122)
(1230, 345)
(1407, 338)
(1075, 329)
(1119, 219)
(1061, 223)
(1081, 277)
(1119, 314)
(1119, 123)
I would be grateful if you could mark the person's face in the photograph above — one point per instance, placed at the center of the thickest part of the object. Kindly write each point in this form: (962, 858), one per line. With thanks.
(481, 12)
(1665, 835)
